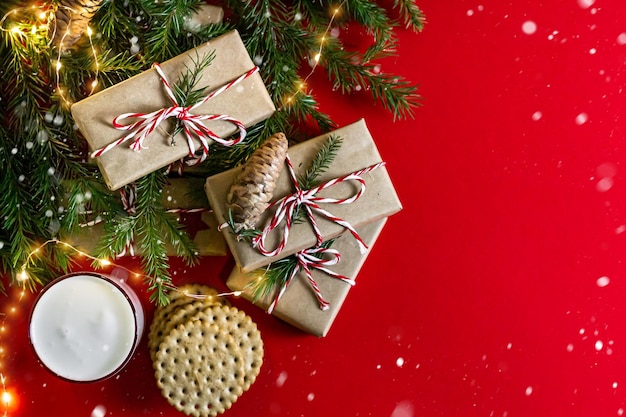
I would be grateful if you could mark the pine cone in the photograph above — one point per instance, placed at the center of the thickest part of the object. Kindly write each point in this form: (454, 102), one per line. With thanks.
(253, 189)
(72, 19)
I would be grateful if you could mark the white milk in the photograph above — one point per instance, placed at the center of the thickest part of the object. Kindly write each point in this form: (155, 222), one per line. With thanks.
(83, 328)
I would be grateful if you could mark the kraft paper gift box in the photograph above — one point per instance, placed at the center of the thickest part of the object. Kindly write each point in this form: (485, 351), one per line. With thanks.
(178, 194)
(248, 102)
(298, 305)
(357, 152)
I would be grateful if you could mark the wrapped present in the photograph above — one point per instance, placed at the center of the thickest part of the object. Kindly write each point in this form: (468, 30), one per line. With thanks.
(180, 195)
(129, 126)
(355, 190)
(312, 305)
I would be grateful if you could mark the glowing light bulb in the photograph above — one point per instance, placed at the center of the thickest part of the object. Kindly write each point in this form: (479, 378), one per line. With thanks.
(104, 262)
(15, 29)
(94, 83)
(43, 15)
(317, 57)
(58, 65)
(89, 31)
(23, 276)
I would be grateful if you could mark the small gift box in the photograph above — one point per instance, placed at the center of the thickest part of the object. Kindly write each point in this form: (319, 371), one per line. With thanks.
(179, 196)
(356, 190)
(299, 304)
(129, 126)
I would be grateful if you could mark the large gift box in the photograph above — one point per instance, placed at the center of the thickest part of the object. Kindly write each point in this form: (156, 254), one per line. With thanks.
(179, 196)
(358, 152)
(248, 102)
(298, 304)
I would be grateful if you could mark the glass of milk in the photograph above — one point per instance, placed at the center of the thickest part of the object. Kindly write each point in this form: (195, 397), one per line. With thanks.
(85, 327)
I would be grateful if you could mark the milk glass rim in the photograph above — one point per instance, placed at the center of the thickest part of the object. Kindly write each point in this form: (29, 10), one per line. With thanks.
(111, 280)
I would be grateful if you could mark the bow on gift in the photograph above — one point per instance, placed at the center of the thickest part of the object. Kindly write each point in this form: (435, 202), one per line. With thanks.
(193, 125)
(309, 200)
(308, 259)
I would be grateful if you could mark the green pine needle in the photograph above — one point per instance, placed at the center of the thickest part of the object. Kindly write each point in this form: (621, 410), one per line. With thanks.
(269, 280)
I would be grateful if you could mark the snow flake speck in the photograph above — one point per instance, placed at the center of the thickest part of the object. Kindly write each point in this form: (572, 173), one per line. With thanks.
(603, 281)
(509, 346)
(529, 27)
(604, 184)
(620, 412)
(99, 411)
(14, 151)
(621, 38)
(593, 51)
(529, 391)
(258, 60)
(297, 17)
(570, 347)
(470, 12)
(310, 397)
(29, 145)
(399, 362)
(48, 213)
(582, 118)
(585, 4)
(537, 115)
(51, 171)
(404, 409)
(282, 377)
(1, 244)
(614, 385)
(21, 178)
(599, 345)
(58, 120)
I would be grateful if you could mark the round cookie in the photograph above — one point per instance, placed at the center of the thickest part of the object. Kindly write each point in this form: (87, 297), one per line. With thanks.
(244, 332)
(199, 369)
(178, 299)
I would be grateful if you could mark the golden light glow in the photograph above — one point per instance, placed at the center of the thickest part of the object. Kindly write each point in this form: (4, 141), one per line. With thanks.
(317, 56)
(104, 262)
(6, 398)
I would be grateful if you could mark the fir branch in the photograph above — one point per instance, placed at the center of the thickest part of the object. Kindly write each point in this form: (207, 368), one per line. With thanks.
(374, 19)
(411, 14)
(271, 279)
(347, 71)
(185, 89)
(321, 162)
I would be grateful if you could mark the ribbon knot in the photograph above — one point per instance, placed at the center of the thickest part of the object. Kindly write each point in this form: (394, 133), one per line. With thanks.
(310, 202)
(313, 258)
(192, 124)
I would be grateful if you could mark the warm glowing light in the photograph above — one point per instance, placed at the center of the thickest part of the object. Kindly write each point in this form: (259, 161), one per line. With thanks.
(104, 262)
(89, 31)
(23, 276)
(43, 15)
(15, 29)
(58, 65)
(318, 54)
(7, 398)
(94, 83)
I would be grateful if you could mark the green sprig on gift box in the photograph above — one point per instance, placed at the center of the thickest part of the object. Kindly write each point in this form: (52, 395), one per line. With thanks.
(40, 148)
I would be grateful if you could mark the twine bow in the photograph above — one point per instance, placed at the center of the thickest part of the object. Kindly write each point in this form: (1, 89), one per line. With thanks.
(308, 259)
(309, 200)
(191, 123)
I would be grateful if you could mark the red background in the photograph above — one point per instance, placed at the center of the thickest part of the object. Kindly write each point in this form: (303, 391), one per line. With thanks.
(486, 285)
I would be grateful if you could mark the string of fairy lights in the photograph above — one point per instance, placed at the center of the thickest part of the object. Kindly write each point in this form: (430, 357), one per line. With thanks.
(41, 33)
(37, 30)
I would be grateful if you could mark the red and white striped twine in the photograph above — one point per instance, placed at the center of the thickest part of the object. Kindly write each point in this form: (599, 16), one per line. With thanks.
(310, 202)
(192, 123)
(308, 259)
